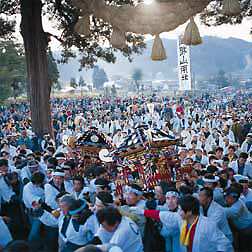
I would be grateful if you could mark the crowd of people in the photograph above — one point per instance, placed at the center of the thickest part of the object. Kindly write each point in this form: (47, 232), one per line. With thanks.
(55, 198)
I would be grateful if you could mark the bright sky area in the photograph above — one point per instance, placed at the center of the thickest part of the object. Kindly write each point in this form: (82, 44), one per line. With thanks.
(241, 31)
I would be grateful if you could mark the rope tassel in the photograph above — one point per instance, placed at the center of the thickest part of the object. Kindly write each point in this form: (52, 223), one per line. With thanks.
(158, 50)
(83, 26)
(192, 34)
(231, 7)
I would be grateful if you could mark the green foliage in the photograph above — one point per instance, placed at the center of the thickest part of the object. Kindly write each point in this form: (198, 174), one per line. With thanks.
(4, 85)
(13, 69)
(212, 15)
(64, 16)
(57, 86)
(113, 91)
(73, 83)
(13, 72)
(137, 76)
(99, 77)
(53, 70)
(221, 80)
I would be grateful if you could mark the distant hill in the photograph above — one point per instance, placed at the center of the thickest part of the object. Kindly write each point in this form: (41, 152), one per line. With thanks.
(231, 55)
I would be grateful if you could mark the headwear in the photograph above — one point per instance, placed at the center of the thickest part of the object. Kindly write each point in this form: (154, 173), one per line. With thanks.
(79, 209)
(211, 179)
(172, 193)
(249, 135)
(130, 189)
(241, 179)
(58, 172)
(60, 156)
(65, 167)
(32, 164)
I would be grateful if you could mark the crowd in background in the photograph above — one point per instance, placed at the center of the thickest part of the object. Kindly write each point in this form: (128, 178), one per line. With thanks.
(47, 201)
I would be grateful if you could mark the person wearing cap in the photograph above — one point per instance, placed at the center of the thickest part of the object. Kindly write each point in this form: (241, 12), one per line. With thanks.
(242, 166)
(247, 144)
(54, 187)
(197, 232)
(214, 211)
(119, 230)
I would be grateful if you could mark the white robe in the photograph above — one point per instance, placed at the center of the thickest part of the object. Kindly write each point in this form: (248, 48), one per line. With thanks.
(127, 236)
(5, 235)
(216, 213)
(207, 238)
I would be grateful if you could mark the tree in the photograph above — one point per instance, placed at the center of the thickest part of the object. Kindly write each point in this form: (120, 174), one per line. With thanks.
(36, 41)
(52, 70)
(137, 76)
(113, 91)
(57, 86)
(13, 69)
(104, 16)
(4, 85)
(221, 79)
(73, 83)
(81, 82)
(99, 77)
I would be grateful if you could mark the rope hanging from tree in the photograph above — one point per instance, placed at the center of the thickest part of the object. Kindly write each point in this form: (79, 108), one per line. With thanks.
(191, 35)
(151, 19)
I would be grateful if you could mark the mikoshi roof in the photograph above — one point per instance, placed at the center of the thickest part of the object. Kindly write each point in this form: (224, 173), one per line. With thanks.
(142, 137)
(93, 138)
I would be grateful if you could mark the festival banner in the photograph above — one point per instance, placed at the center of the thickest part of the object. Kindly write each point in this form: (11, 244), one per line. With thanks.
(184, 66)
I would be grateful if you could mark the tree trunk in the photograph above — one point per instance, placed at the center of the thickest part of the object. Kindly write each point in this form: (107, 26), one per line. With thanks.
(35, 43)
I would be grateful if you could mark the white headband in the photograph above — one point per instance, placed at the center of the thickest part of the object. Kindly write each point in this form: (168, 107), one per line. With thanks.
(172, 193)
(97, 200)
(133, 190)
(57, 173)
(208, 180)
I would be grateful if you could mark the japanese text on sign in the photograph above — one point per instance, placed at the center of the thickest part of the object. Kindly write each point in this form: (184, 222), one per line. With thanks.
(184, 66)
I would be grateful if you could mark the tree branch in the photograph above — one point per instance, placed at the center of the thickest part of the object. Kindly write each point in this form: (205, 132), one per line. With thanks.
(152, 19)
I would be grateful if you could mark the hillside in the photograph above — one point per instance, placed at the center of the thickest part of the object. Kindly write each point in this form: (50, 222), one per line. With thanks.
(231, 55)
